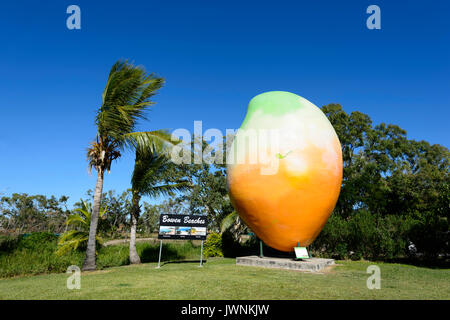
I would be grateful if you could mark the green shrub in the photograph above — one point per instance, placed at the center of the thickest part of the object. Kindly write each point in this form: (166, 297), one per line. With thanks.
(35, 254)
(213, 245)
(37, 240)
(230, 247)
(392, 237)
(25, 261)
(431, 236)
(118, 255)
(332, 241)
(364, 235)
(32, 241)
(8, 243)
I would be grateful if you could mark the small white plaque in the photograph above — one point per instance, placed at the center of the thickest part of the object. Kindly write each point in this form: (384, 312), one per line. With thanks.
(301, 252)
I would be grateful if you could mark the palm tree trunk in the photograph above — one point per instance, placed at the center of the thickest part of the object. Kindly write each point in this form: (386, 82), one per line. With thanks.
(90, 259)
(135, 211)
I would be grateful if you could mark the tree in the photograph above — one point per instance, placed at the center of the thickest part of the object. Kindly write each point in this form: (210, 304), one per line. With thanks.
(208, 195)
(124, 101)
(150, 178)
(389, 178)
(149, 220)
(234, 225)
(352, 131)
(21, 213)
(116, 218)
(80, 221)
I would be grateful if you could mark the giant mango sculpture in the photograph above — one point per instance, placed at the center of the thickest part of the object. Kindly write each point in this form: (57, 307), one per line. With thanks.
(284, 169)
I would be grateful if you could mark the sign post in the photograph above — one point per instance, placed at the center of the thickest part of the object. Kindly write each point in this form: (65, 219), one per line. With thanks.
(201, 254)
(261, 255)
(159, 259)
(182, 227)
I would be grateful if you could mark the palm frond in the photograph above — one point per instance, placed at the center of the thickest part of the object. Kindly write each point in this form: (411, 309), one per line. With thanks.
(228, 221)
(125, 99)
(150, 142)
(166, 190)
(149, 168)
(80, 220)
(74, 239)
(75, 220)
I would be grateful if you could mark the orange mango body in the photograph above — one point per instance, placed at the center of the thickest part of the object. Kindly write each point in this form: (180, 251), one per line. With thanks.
(291, 204)
(285, 209)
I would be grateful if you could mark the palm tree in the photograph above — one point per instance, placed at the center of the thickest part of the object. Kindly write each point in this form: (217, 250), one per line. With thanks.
(233, 224)
(229, 220)
(78, 237)
(125, 99)
(150, 178)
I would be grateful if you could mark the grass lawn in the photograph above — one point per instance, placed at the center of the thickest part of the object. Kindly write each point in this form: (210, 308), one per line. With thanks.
(220, 278)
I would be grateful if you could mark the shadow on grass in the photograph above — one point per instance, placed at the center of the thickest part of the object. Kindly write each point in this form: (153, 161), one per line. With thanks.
(442, 263)
(169, 254)
(183, 261)
(232, 249)
(151, 253)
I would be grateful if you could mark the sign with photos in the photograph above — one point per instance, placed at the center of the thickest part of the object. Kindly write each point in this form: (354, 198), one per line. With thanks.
(178, 226)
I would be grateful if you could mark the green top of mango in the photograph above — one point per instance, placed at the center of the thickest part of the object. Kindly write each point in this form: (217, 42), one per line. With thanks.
(275, 103)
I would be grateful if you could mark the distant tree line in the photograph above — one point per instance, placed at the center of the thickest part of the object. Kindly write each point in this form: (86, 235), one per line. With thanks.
(23, 213)
(395, 196)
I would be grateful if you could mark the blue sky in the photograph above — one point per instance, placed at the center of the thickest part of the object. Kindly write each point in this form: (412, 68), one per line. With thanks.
(215, 56)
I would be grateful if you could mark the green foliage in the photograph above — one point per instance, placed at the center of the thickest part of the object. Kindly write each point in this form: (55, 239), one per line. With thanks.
(36, 254)
(149, 220)
(77, 238)
(229, 221)
(208, 194)
(21, 213)
(37, 241)
(8, 243)
(430, 234)
(395, 192)
(150, 176)
(231, 247)
(125, 100)
(213, 245)
(114, 222)
(232, 229)
(386, 173)
(364, 235)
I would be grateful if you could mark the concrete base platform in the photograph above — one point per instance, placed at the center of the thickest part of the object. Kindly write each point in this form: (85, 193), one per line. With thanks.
(312, 264)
